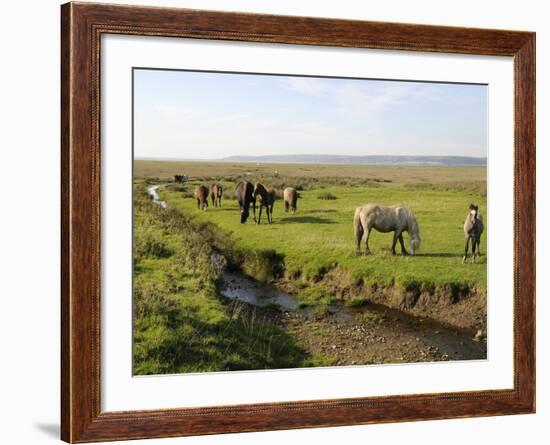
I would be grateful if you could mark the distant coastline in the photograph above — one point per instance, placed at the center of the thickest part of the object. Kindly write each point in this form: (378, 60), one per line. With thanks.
(457, 161)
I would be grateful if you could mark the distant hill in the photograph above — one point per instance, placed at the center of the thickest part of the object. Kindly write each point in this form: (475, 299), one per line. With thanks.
(375, 159)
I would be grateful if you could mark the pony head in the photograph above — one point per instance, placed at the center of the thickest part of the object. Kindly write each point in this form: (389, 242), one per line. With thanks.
(244, 215)
(472, 217)
(414, 234)
(414, 243)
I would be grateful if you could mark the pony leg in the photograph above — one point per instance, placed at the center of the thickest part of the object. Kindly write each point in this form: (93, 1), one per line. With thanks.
(474, 242)
(286, 206)
(403, 250)
(198, 204)
(395, 236)
(260, 214)
(254, 209)
(466, 250)
(368, 252)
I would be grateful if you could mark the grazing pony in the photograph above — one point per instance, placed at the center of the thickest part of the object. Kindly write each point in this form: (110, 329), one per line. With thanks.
(216, 192)
(267, 199)
(243, 193)
(180, 178)
(396, 219)
(201, 195)
(473, 228)
(290, 197)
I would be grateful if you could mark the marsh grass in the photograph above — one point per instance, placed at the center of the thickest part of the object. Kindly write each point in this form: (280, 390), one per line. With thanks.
(356, 301)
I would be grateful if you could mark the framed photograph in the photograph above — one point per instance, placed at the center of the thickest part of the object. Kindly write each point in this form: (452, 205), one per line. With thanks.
(274, 222)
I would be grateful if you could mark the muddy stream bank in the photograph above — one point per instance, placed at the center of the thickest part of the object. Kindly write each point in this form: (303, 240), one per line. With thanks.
(356, 335)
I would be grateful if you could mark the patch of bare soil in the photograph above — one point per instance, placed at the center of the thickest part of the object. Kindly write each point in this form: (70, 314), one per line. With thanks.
(379, 336)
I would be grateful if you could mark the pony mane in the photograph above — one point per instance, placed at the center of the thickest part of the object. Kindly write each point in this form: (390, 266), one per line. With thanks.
(412, 224)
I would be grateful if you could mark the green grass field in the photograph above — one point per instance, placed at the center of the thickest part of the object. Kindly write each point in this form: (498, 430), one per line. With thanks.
(181, 324)
(320, 235)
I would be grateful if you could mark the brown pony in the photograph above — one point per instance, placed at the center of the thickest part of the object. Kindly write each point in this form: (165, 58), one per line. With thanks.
(290, 197)
(267, 199)
(216, 192)
(201, 195)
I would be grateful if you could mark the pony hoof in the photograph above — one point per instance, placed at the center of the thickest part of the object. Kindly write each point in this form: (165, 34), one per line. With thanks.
(463, 260)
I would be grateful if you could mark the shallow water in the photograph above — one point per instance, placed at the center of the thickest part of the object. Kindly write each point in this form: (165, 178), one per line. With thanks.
(154, 195)
(242, 288)
(457, 344)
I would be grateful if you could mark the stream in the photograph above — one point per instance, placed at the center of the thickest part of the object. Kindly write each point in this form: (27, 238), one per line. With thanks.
(155, 196)
(389, 326)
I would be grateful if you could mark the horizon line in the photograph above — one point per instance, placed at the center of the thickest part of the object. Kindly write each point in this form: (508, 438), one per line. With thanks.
(283, 159)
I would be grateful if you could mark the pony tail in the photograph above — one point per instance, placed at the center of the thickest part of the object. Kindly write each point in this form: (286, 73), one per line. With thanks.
(358, 225)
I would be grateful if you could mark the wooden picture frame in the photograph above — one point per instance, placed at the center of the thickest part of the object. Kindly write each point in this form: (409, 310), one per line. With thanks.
(82, 26)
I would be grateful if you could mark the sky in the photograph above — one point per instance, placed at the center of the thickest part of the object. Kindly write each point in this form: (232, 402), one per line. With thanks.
(205, 115)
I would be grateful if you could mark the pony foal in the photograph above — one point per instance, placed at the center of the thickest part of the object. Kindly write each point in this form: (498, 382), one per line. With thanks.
(473, 228)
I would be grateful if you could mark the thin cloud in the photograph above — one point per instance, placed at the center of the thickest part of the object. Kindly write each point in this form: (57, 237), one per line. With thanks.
(361, 97)
(229, 118)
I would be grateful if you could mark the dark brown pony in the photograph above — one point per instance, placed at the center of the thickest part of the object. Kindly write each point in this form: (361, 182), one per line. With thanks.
(216, 192)
(180, 178)
(243, 193)
(267, 199)
(201, 195)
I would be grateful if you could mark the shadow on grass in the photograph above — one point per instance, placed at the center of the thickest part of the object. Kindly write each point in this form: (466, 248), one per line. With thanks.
(323, 211)
(440, 255)
(306, 219)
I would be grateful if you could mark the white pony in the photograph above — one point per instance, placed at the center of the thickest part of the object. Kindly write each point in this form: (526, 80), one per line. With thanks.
(396, 219)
